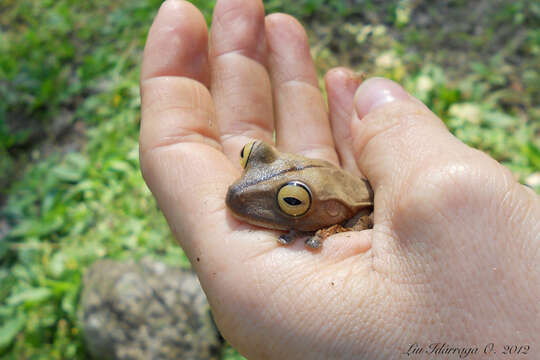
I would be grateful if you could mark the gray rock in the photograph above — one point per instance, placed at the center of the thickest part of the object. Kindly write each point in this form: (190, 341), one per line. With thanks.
(146, 310)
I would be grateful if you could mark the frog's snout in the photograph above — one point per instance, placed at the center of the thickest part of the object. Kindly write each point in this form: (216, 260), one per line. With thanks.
(232, 200)
(229, 197)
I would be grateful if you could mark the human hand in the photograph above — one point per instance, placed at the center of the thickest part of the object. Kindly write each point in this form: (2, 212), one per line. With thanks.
(453, 256)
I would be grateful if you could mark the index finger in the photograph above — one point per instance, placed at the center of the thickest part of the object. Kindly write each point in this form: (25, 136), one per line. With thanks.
(180, 153)
(174, 80)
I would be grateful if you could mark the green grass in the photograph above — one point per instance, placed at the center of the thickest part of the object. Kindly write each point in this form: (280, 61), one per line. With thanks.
(69, 210)
(82, 59)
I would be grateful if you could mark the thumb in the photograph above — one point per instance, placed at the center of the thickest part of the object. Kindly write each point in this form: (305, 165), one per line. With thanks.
(395, 136)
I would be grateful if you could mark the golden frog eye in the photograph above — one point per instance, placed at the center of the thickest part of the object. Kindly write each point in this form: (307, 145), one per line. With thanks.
(294, 198)
(245, 152)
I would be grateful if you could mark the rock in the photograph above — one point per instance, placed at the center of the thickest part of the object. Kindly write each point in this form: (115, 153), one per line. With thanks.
(146, 310)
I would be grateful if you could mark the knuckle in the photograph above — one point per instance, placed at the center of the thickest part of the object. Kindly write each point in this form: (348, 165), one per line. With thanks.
(431, 194)
(453, 188)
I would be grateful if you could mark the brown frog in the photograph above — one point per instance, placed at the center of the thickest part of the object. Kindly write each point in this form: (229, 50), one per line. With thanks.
(301, 195)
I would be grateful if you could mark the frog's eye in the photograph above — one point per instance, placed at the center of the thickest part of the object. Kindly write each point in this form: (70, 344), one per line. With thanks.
(245, 152)
(294, 198)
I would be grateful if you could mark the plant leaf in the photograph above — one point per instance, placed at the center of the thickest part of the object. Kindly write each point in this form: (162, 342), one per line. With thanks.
(9, 330)
(33, 295)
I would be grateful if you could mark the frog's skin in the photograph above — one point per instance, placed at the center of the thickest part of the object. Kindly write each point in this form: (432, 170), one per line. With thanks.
(290, 192)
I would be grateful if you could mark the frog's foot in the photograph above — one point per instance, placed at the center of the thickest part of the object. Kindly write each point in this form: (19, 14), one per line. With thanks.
(361, 221)
(286, 239)
(314, 241)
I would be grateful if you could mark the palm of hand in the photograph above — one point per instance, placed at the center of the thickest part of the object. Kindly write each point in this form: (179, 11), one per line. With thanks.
(428, 261)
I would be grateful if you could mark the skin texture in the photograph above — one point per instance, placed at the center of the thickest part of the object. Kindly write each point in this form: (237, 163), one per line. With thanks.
(454, 252)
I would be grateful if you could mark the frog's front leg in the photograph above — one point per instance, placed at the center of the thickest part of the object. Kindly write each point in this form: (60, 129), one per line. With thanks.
(361, 221)
(286, 239)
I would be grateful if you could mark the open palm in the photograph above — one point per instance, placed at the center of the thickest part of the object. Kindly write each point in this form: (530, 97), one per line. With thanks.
(430, 270)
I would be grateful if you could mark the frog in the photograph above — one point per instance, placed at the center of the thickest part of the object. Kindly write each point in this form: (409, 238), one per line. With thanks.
(305, 197)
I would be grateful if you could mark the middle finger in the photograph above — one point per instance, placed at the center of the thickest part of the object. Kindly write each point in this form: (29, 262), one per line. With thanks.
(240, 84)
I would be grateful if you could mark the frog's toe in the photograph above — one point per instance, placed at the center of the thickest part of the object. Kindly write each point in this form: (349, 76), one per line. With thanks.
(314, 241)
(286, 239)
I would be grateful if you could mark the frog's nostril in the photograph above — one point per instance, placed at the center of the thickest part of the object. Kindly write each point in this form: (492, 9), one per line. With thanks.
(233, 199)
(230, 196)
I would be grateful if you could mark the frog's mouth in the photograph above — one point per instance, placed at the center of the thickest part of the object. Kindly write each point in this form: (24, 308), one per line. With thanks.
(257, 222)
(255, 210)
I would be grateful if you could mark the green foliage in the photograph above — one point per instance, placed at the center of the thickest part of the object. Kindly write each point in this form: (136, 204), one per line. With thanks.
(54, 54)
(485, 86)
(82, 58)
(324, 10)
(230, 354)
(472, 111)
(69, 212)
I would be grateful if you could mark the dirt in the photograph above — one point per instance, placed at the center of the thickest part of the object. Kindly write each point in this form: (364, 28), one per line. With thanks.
(452, 34)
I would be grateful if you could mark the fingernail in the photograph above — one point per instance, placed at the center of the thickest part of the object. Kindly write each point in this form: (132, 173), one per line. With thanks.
(375, 92)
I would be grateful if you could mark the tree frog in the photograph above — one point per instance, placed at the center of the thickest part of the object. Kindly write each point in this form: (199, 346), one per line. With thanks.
(304, 196)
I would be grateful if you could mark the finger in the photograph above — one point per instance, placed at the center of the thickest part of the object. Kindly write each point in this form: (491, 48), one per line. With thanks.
(395, 136)
(180, 154)
(173, 77)
(426, 181)
(302, 124)
(341, 85)
(240, 84)
(177, 44)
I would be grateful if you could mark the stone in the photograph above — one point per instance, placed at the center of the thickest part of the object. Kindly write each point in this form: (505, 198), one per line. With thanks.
(146, 310)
